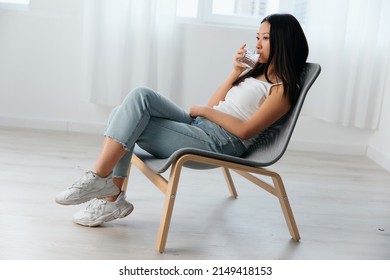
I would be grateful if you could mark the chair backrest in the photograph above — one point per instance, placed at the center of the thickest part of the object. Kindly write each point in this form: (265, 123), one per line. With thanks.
(273, 142)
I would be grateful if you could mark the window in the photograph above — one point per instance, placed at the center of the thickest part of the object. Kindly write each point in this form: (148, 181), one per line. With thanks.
(237, 12)
(14, 4)
(25, 2)
(243, 8)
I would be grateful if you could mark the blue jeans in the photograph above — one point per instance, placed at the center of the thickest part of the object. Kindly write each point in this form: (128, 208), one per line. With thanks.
(160, 127)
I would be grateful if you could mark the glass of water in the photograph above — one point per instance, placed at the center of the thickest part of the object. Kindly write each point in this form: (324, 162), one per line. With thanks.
(250, 59)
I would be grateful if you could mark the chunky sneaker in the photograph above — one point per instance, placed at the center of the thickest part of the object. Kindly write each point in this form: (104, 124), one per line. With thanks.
(99, 211)
(89, 186)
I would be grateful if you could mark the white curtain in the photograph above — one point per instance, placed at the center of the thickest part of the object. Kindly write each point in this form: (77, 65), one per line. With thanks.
(135, 42)
(351, 41)
(129, 43)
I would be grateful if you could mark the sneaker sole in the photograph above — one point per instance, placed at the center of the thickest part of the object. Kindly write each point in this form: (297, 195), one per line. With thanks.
(122, 214)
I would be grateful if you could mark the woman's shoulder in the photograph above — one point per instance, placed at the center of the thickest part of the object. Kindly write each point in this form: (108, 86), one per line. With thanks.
(276, 88)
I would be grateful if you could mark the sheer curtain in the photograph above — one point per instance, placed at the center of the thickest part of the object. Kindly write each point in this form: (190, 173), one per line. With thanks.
(135, 42)
(350, 39)
(128, 43)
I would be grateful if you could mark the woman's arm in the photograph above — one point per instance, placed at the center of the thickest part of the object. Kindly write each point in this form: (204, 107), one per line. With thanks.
(272, 109)
(223, 89)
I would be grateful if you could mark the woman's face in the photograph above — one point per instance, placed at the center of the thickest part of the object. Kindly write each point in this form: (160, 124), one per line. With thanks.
(263, 45)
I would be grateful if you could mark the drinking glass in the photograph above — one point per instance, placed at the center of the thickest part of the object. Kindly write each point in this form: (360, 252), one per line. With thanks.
(250, 59)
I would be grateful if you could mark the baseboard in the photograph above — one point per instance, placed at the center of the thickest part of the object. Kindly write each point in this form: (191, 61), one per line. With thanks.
(379, 157)
(98, 128)
(59, 125)
(329, 148)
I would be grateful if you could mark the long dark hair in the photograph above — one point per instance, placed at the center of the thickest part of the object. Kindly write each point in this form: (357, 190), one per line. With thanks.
(288, 53)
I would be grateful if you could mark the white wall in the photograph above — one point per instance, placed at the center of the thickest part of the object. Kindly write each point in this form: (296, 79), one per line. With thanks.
(41, 77)
(42, 82)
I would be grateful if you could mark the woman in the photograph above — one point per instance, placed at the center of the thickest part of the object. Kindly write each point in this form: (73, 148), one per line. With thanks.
(242, 107)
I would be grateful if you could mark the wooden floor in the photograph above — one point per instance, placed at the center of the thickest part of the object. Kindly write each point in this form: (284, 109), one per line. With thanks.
(341, 205)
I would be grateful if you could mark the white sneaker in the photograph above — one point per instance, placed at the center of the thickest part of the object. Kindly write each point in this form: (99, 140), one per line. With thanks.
(99, 211)
(89, 186)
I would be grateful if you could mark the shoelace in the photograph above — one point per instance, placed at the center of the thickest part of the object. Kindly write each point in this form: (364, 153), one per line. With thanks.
(84, 179)
(95, 204)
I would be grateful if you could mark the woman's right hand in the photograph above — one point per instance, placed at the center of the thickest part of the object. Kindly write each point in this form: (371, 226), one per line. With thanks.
(237, 65)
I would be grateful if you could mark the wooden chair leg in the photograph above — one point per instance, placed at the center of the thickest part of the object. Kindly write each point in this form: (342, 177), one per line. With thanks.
(229, 181)
(286, 208)
(167, 211)
(278, 190)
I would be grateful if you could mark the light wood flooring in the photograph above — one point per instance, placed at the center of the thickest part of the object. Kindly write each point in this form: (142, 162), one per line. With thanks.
(341, 205)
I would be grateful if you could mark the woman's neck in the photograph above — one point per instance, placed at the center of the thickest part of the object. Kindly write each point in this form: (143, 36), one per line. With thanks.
(270, 75)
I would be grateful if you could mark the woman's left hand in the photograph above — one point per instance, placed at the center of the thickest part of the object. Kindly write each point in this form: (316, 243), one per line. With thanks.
(198, 110)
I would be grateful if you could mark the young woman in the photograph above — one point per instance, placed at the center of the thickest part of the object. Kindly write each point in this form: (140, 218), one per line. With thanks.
(242, 107)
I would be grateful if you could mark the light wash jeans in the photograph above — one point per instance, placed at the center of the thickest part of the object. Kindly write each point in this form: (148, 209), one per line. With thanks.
(160, 127)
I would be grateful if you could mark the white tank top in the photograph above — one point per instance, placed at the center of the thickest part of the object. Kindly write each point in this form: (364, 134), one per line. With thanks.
(243, 100)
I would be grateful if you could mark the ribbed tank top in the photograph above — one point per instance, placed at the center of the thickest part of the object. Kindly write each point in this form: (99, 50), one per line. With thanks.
(243, 100)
